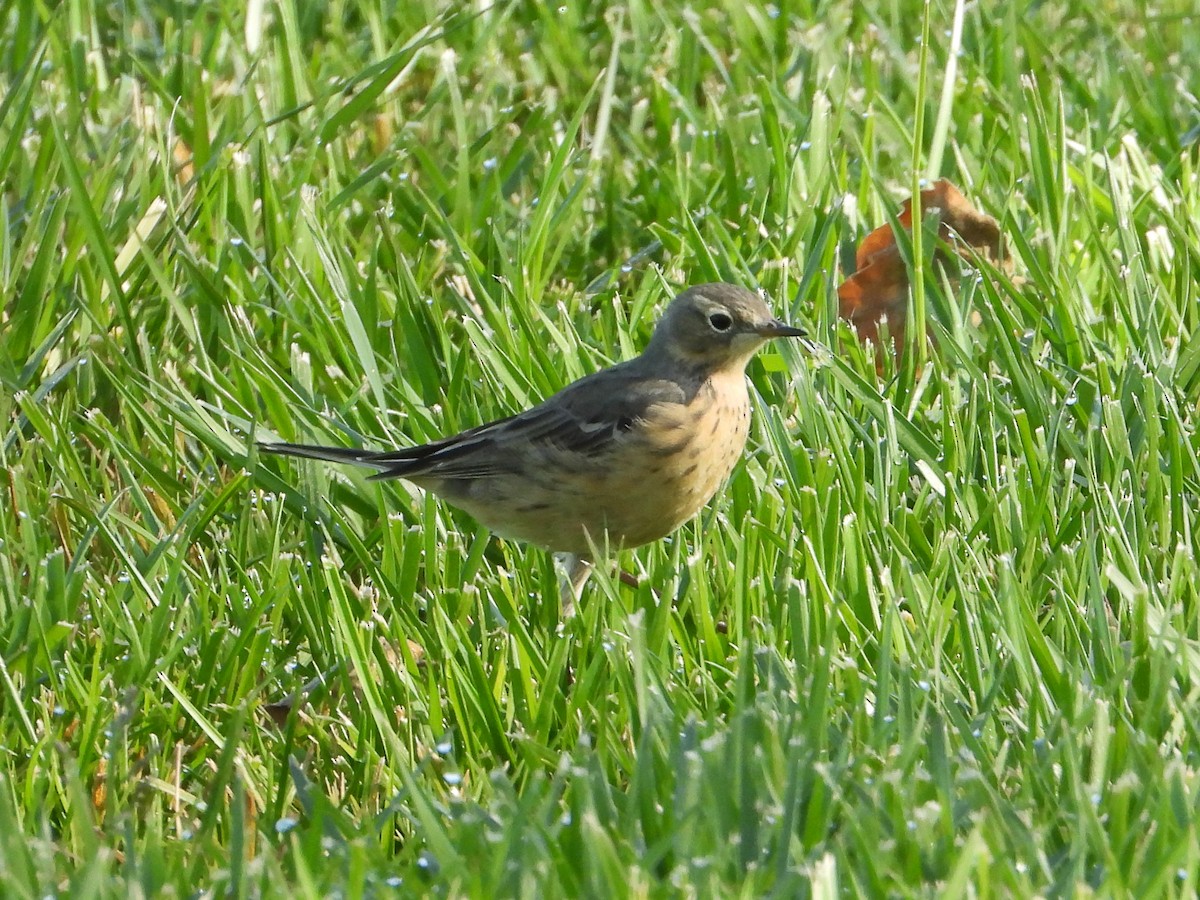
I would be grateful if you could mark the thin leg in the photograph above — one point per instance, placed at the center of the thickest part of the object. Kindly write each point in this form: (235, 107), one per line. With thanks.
(575, 571)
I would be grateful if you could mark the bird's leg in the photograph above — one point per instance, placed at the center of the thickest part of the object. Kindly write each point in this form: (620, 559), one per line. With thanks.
(575, 573)
(630, 580)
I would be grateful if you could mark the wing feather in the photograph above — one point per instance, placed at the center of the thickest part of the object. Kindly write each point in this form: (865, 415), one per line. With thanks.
(584, 418)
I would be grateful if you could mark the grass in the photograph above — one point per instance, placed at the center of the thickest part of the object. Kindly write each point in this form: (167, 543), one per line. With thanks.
(938, 636)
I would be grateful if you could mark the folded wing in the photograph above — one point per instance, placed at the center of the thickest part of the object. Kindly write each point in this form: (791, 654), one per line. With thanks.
(583, 419)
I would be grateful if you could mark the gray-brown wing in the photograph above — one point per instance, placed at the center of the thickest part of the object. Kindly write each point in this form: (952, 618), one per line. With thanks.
(583, 418)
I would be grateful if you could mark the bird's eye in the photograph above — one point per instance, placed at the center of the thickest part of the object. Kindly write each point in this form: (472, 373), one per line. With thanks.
(720, 322)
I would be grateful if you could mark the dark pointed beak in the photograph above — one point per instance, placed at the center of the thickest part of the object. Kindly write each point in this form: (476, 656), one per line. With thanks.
(776, 328)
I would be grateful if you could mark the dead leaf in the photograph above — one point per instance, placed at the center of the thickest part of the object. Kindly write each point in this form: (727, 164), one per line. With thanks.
(877, 292)
(181, 154)
(100, 788)
(281, 709)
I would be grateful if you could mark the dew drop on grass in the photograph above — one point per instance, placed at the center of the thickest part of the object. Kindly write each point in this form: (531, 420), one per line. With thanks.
(444, 747)
(454, 779)
(427, 863)
(284, 825)
(394, 882)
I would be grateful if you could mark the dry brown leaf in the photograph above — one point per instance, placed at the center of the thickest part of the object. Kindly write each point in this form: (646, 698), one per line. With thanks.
(878, 291)
(181, 153)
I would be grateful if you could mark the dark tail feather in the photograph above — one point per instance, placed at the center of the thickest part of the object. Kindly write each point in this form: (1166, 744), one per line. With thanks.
(328, 454)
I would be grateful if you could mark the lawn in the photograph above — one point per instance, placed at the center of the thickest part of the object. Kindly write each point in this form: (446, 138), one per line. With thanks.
(940, 633)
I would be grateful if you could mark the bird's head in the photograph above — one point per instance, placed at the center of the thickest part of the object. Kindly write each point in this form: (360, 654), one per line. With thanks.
(716, 326)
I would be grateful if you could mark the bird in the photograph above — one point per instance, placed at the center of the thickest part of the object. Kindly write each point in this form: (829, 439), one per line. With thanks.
(615, 460)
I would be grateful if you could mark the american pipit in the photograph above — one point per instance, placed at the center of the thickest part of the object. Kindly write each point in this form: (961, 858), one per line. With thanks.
(617, 459)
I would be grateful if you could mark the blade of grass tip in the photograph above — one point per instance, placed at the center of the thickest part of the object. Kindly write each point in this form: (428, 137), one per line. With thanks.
(291, 68)
(377, 77)
(20, 91)
(355, 327)
(914, 358)
(254, 30)
(34, 365)
(37, 301)
(142, 232)
(461, 214)
(1187, 368)
(192, 710)
(18, 703)
(386, 163)
(365, 352)
(941, 126)
(814, 266)
(911, 439)
(608, 92)
(101, 248)
(540, 230)
(383, 73)
(710, 268)
(198, 136)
